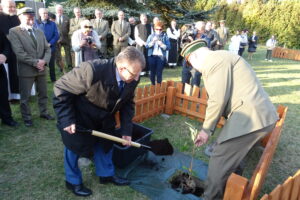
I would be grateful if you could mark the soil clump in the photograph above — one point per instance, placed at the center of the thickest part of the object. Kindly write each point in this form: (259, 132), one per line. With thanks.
(186, 184)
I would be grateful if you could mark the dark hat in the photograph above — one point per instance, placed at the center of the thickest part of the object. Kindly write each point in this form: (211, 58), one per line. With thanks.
(51, 15)
(193, 46)
(26, 10)
(222, 21)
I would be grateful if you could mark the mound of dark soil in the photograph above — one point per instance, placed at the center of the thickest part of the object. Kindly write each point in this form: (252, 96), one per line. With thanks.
(185, 184)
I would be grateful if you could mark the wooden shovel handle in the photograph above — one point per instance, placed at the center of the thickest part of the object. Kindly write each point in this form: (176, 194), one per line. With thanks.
(113, 138)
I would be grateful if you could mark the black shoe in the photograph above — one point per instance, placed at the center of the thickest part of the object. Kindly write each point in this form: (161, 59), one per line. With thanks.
(28, 123)
(79, 190)
(115, 180)
(14, 101)
(47, 117)
(11, 123)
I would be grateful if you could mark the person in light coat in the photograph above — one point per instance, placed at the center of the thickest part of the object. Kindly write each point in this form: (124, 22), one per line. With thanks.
(271, 43)
(234, 92)
(235, 42)
(85, 43)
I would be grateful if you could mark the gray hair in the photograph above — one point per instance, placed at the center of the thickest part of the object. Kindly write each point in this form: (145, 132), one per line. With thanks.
(58, 6)
(131, 54)
(76, 8)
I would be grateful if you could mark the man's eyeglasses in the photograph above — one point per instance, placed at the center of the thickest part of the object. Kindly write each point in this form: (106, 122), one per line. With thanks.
(158, 29)
(131, 74)
(89, 27)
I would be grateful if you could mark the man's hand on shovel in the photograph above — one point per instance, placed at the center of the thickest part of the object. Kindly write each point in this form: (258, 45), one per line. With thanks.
(128, 139)
(70, 129)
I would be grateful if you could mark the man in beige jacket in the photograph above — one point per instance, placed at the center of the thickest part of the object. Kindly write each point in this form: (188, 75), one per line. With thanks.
(101, 26)
(33, 53)
(75, 22)
(223, 33)
(120, 29)
(235, 93)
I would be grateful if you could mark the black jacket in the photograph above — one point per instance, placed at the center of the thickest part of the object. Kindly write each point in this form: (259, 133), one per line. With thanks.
(88, 96)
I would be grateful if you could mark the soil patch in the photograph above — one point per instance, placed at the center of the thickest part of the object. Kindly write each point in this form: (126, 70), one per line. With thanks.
(185, 184)
(161, 147)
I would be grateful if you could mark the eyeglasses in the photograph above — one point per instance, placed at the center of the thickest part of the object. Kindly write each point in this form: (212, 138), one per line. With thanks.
(133, 75)
(90, 27)
(158, 29)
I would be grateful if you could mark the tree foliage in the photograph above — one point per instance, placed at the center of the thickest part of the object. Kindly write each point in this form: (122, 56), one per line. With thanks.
(184, 11)
(273, 17)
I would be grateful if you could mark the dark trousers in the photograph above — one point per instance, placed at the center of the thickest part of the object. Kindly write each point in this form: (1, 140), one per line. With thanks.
(241, 51)
(103, 163)
(190, 75)
(144, 51)
(52, 67)
(156, 64)
(226, 158)
(5, 111)
(59, 60)
(25, 90)
(269, 54)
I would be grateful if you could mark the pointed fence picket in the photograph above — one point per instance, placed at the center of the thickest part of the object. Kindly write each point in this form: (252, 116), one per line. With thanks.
(289, 190)
(170, 97)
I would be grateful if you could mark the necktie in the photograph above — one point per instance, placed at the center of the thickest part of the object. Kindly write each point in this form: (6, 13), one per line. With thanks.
(32, 37)
(121, 25)
(60, 20)
(121, 86)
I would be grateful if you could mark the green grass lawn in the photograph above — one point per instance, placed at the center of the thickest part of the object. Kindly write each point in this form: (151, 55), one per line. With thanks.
(31, 159)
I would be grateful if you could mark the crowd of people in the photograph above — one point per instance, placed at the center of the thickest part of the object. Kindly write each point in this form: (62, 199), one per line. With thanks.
(95, 89)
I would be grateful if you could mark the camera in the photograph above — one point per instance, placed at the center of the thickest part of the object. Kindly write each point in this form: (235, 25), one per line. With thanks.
(188, 32)
(89, 40)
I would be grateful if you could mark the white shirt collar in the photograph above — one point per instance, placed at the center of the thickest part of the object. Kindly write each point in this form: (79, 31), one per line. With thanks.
(26, 27)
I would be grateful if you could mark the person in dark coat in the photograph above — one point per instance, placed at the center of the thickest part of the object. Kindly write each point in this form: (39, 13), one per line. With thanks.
(51, 33)
(5, 111)
(141, 33)
(8, 20)
(252, 42)
(88, 98)
(174, 35)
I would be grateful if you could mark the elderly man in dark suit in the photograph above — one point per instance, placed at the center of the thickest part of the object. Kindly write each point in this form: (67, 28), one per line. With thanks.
(121, 31)
(88, 97)
(101, 26)
(235, 93)
(63, 25)
(33, 53)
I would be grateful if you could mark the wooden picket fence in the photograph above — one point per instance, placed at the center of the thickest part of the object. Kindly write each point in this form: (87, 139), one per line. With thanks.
(171, 97)
(289, 190)
(279, 52)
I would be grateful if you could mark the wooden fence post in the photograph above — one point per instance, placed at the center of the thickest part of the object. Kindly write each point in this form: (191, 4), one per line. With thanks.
(171, 91)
